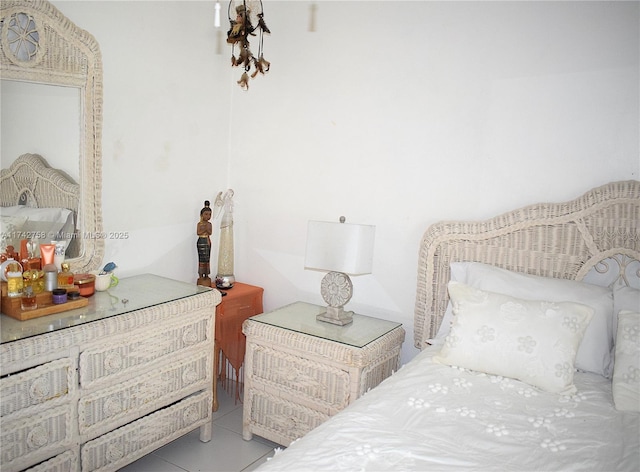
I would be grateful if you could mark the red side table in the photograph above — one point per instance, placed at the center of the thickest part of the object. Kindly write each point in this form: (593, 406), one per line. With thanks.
(240, 302)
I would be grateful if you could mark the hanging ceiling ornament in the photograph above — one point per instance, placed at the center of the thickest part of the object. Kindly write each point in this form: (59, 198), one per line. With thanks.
(249, 21)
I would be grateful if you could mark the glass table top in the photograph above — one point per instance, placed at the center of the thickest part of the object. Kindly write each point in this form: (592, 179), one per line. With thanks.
(301, 317)
(131, 293)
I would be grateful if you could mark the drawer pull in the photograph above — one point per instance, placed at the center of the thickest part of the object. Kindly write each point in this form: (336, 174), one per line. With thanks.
(37, 437)
(189, 336)
(113, 361)
(112, 406)
(39, 388)
(114, 452)
(189, 375)
(190, 415)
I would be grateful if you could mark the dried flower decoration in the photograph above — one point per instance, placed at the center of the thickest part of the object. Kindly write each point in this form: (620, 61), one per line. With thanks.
(248, 22)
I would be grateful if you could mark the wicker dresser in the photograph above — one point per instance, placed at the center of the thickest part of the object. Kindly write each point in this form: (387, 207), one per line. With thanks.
(300, 371)
(98, 387)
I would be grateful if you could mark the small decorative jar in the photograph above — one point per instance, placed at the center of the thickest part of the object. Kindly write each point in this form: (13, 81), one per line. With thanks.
(59, 296)
(86, 284)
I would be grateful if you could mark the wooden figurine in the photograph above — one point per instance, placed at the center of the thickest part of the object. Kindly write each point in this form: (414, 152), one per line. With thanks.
(204, 229)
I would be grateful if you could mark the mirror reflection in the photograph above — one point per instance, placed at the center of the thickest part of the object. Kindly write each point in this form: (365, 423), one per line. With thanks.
(41, 119)
(51, 124)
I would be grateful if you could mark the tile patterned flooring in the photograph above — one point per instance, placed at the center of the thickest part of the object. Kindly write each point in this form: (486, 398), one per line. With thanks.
(226, 452)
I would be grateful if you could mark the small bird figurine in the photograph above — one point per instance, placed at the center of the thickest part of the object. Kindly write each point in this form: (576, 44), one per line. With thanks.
(109, 267)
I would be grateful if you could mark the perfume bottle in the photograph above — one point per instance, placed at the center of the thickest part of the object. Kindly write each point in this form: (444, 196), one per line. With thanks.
(14, 279)
(65, 277)
(28, 300)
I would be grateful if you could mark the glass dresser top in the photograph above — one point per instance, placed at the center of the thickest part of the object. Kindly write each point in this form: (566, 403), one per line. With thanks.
(131, 293)
(301, 317)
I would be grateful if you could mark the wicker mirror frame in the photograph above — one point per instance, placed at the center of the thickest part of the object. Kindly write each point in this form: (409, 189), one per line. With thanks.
(63, 54)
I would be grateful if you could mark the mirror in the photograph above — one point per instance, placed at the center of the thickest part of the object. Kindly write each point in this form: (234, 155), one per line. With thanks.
(40, 47)
(42, 119)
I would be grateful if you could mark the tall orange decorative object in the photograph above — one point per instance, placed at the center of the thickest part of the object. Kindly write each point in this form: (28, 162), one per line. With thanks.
(243, 302)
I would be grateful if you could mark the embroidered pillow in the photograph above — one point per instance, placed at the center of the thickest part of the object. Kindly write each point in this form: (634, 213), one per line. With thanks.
(595, 354)
(626, 373)
(624, 298)
(529, 340)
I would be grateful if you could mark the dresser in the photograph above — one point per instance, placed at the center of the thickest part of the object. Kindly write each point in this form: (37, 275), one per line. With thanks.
(96, 388)
(300, 371)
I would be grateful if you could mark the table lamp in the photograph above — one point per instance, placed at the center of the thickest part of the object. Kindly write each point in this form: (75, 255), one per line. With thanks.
(342, 249)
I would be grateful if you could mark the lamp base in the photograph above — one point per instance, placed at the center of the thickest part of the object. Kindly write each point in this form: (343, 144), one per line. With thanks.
(336, 315)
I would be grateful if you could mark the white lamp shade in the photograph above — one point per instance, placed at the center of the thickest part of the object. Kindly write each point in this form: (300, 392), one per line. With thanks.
(340, 247)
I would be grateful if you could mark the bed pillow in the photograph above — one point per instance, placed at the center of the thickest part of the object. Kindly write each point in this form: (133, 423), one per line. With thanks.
(10, 228)
(42, 224)
(596, 351)
(529, 340)
(625, 298)
(626, 373)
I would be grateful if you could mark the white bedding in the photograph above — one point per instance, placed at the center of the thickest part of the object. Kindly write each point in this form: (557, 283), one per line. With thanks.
(431, 417)
(41, 225)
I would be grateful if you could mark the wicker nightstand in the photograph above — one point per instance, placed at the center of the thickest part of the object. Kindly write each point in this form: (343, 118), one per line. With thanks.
(300, 371)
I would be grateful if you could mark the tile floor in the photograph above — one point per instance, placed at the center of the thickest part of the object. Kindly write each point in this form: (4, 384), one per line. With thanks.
(226, 452)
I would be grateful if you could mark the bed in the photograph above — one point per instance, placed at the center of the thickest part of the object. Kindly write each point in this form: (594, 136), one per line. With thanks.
(528, 327)
(38, 203)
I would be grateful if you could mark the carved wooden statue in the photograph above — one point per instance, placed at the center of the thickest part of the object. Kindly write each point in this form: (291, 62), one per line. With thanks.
(204, 229)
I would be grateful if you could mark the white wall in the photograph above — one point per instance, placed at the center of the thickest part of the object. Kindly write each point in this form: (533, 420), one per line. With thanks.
(165, 129)
(396, 114)
(26, 129)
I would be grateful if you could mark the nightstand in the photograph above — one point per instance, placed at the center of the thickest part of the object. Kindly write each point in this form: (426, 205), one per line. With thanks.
(299, 371)
(239, 303)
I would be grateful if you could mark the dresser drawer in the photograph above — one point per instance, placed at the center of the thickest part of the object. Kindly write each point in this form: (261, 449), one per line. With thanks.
(123, 356)
(29, 439)
(278, 418)
(319, 386)
(111, 407)
(128, 443)
(65, 462)
(54, 380)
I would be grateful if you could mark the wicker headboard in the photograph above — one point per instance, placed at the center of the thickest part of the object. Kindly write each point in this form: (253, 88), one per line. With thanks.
(562, 240)
(30, 181)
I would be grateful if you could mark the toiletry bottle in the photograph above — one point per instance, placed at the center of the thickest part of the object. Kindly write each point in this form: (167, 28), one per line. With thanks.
(65, 277)
(58, 256)
(35, 263)
(4, 267)
(24, 254)
(28, 300)
(50, 277)
(14, 280)
(37, 280)
(47, 252)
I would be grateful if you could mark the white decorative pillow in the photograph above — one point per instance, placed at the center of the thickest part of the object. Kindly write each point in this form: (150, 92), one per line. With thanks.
(42, 224)
(625, 298)
(10, 228)
(529, 340)
(626, 374)
(596, 351)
